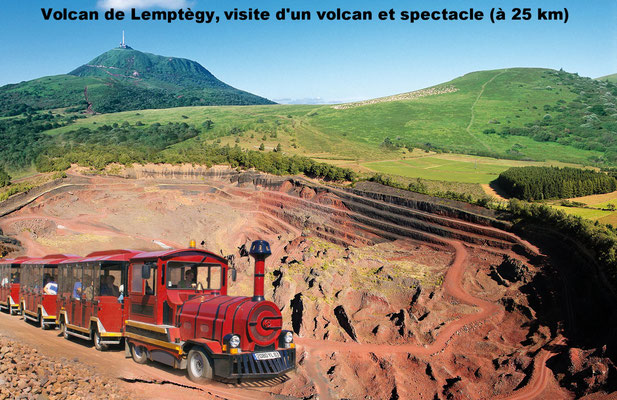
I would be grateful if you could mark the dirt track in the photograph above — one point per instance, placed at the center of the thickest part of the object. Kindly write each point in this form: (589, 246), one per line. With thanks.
(155, 382)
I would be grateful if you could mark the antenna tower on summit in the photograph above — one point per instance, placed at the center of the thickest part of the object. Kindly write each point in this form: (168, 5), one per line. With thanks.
(123, 45)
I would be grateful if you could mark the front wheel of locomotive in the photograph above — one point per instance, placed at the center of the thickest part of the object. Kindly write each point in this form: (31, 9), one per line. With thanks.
(199, 366)
(97, 342)
(139, 353)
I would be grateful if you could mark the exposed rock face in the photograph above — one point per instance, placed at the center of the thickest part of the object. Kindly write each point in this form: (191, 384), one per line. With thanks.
(27, 374)
(585, 371)
(512, 269)
(8, 245)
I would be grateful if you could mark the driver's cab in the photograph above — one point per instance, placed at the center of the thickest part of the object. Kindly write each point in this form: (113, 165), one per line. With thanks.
(160, 282)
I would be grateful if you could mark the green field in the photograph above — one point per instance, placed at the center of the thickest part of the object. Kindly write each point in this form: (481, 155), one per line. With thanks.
(450, 167)
(439, 169)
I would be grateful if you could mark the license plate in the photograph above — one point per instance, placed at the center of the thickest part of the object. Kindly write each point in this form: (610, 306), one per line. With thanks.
(267, 356)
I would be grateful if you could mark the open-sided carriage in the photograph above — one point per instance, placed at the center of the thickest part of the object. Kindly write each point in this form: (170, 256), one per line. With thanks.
(9, 284)
(37, 299)
(91, 295)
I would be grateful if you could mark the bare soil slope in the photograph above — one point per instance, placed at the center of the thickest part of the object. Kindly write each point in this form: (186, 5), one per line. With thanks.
(392, 294)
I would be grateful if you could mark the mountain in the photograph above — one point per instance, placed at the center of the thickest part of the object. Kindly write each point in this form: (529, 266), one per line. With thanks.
(125, 79)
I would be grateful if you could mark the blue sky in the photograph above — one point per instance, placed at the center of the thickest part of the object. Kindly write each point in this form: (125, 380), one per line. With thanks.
(310, 59)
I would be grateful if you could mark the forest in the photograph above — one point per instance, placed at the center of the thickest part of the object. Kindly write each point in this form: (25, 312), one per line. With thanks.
(543, 183)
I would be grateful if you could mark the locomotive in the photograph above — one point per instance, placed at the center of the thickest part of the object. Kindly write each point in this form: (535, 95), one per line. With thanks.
(168, 306)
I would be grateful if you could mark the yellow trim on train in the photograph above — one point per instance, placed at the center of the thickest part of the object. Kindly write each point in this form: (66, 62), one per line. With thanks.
(78, 328)
(146, 326)
(111, 334)
(155, 342)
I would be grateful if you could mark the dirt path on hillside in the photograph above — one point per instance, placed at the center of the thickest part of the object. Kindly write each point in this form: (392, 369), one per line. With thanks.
(473, 107)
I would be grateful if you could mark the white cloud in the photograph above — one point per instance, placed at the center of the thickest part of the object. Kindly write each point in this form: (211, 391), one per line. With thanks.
(126, 4)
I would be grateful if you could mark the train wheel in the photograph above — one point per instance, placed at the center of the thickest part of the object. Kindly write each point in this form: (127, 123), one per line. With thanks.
(199, 366)
(97, 342)
(139, 353)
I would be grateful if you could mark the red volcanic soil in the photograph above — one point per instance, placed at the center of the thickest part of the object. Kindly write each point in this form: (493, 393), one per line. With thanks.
(392, 295)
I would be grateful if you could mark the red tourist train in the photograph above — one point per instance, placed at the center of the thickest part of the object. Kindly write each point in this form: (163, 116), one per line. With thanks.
(168, 306)
(38, 304)
(9, 284)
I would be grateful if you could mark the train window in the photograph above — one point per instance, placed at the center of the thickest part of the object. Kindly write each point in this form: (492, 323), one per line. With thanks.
(38, 279)
(76, 274)
(63, 279)
(88, 281)
(50, 275)
(150, 288)
(110, 279)
(136, 280)
(193, 276)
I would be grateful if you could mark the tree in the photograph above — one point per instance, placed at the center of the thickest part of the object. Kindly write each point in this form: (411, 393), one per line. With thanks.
(279, 148)
(262, 147)
(5, 179)
(208, 124)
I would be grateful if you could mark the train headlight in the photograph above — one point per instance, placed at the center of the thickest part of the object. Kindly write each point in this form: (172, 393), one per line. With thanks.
(231, 343)
(234, 341)
(286, 340)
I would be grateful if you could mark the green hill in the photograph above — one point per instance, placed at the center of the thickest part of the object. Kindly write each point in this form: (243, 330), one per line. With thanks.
(521, 114)
(610, 78)
(518, 113)
(124, 79)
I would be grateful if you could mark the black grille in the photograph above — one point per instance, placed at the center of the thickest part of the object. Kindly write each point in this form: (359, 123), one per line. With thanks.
(259, 348)
(245, 364)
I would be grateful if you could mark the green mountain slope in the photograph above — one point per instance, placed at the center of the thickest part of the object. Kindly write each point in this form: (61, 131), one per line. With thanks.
(149, 70)
(518, 113)
(610, 78)
(125, 79)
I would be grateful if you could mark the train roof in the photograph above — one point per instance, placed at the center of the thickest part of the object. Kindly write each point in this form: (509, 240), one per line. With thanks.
(53, 259)
(16, 260)
(177, 253)
(111, 255)
(110, 252)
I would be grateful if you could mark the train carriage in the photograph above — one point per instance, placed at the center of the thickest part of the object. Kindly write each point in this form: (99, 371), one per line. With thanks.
(179, 314)
(37, 299)
(90, 297)
(9, 284)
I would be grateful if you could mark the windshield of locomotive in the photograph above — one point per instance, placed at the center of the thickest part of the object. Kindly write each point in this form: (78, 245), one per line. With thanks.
(193, 276)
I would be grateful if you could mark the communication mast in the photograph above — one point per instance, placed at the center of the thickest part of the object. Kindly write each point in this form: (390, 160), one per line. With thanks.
(122, 45)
